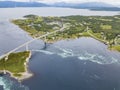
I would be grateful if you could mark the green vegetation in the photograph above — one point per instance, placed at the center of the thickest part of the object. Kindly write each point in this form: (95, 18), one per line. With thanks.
(117, 47)
(106, 27)
(15, 63)
(102, 28)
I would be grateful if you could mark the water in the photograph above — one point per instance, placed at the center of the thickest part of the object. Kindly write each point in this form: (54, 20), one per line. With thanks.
(10, 84)
(72, 65)
(81, 64)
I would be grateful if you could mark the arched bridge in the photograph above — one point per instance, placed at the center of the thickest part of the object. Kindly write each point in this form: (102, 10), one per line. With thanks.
(26, 43)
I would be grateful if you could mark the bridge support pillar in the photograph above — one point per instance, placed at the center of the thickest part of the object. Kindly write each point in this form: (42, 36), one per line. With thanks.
(27, 47)
(45, 43)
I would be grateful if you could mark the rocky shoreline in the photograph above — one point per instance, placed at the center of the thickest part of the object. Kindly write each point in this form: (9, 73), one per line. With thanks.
(24, 75)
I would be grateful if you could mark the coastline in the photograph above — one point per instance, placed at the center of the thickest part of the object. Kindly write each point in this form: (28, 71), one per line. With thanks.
(97, 27)
(70, 38)
(27, 74)
(102, 41)
(24, 75)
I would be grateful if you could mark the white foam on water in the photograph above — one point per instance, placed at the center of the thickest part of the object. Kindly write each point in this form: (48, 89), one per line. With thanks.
(114, 60)
(4, 83)
(98, 58)
(43, 51)
(65, 52)
(96, 76)
(9, 84)
(93, 57)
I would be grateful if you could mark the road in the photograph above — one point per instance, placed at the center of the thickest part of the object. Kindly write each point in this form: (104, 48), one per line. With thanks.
(95, 37)
(26, 43)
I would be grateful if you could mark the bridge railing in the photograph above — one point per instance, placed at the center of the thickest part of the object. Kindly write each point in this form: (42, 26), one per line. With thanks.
(62, 29)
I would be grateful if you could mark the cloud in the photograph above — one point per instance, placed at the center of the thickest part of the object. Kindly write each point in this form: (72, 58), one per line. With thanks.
(116, 2)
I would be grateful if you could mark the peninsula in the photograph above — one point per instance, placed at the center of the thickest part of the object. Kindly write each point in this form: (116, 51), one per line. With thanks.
(103, 28)
(16, 65)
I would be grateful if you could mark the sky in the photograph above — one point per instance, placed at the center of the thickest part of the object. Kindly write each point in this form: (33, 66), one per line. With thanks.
(114, 2)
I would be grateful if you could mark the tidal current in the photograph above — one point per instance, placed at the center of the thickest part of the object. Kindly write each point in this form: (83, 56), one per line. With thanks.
(80, 64)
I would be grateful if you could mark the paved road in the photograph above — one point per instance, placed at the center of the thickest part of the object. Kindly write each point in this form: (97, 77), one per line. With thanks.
(15, 49)
(95, 37)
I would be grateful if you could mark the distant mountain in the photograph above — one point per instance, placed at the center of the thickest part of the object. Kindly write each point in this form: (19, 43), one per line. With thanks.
(63, 4)
(4, 4)
(88, 5)
(94, 4)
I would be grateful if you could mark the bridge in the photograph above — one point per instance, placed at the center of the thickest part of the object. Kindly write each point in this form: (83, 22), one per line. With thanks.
(26, 43)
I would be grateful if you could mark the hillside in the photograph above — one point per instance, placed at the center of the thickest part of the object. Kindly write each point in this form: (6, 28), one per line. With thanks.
(6, 4)
(98, 6)
(89, 5)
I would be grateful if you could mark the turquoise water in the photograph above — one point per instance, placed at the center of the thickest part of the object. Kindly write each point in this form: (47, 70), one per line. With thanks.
(10, 84)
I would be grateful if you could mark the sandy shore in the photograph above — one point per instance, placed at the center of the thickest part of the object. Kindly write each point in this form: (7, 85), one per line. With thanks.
(24, 75)
(27, 74)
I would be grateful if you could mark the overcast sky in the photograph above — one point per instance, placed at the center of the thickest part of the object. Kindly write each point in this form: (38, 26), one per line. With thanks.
(115, 2)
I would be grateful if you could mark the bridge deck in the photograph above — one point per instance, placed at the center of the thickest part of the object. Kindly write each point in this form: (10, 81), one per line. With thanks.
(15, 49)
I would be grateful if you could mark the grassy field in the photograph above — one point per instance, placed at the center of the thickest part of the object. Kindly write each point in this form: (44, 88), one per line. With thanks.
(117, 47)
(103, 28)
(106, 27)
(15, 63)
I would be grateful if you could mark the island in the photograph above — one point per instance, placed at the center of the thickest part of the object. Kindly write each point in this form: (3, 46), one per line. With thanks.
(103, 28)
(16, 65)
